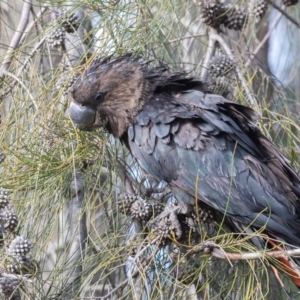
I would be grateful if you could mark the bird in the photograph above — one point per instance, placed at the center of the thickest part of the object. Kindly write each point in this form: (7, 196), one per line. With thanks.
(205, 147)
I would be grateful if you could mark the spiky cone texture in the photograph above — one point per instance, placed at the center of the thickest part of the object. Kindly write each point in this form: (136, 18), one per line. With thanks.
(20, 265)
(10, 220)
(205, 215)
(125, 201)
(289, 2)
(56, 37)
(219, 86)
(2, 156)
(157, 208)
(70, 21)
(4, 197)
(213, 13)
(9, 288)
(236, 18)
(166, 229)
(163, 231)
(137, 207)
(20, 246)
(220, 65)
(66, 81)
(257, 8)
(141, 209)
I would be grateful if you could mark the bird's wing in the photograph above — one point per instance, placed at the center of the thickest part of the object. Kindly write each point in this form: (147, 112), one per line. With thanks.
(203, 142)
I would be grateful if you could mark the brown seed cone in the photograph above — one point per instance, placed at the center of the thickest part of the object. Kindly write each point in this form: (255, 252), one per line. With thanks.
(219, 87)
(2, 156)
(213, 13)
(220, 65)
(20, 265)
(9, 288)
(10, 220)
(69, 20)
(56, 37)
(163, 230)
(289, 2)
(65, 82)
(4, 197)
(157, 208)
(141, 209)
(125, 201)
(19, 246)
(258, 8)
(236, 18)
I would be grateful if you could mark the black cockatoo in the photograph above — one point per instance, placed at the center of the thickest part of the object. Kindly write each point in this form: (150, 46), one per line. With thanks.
(198, 142)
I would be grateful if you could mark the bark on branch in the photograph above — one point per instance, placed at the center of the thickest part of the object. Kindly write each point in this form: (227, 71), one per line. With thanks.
(15, 42)
(216, 251)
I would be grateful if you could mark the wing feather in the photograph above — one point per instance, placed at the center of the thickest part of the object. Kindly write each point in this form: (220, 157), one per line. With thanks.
(241, 173)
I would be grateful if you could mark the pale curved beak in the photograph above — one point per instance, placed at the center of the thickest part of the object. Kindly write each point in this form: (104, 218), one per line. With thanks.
(82, 116)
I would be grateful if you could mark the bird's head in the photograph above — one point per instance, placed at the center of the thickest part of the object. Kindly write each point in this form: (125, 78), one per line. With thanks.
(109, 94)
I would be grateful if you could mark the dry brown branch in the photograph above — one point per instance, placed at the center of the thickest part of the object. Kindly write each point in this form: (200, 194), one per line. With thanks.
(281, 9)
(32, 24)
(255, 255)
(78, 230)
(266, 37)
(208, 55)
(216, 251)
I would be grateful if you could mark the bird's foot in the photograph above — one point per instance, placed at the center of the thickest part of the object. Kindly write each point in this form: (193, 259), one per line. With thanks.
(166, 225)
(206, 247)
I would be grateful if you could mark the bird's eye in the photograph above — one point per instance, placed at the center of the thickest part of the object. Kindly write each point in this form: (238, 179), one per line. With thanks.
(99, 97)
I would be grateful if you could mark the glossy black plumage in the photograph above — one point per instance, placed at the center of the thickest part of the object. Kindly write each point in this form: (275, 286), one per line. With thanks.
(241, 173)
(180, 133)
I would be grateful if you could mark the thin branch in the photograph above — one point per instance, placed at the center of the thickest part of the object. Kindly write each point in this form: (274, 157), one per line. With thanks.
(15, 276)
(28, 59)
(186, 37)
(265, 38)
(126, 178)
(181, 39)
(144, 263)
(31, 54)
(20, 82)
(32, 24)
(209, 54)
(255, 255)
(78, 232)
(289, 17)
(21, 69)
(216, 251)
(17, 36)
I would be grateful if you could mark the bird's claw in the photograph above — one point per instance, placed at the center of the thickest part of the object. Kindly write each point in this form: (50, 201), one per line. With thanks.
(174, 207)
(167, 225)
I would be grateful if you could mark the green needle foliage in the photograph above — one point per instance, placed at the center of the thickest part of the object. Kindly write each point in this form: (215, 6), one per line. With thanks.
(66, 183)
